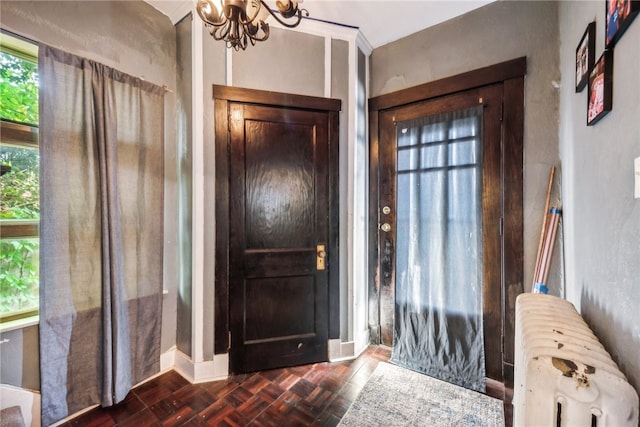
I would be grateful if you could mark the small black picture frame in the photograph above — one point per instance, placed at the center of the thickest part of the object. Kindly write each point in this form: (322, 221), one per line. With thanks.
(585, 56)
(619, 14)
(599, 100)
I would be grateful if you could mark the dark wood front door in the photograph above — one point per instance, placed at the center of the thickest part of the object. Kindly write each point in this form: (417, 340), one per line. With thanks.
(278, 237)
(491, 100)
(507, 179)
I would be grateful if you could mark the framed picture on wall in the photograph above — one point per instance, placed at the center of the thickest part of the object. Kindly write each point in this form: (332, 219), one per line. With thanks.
(585, 56)
(600, 88)
(619, 15)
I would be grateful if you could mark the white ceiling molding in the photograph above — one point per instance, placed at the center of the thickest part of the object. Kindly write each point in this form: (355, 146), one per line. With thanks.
(379, 21)
(174, 9)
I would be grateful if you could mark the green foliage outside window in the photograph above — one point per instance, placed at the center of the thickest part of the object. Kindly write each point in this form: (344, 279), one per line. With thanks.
(18, 89)
(19, 200)
(19, 188)
(18, 275)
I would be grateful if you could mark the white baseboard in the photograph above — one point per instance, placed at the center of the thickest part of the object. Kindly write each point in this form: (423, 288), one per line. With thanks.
(349, 350)
(362, 342)
(168, 359)
(209, 370)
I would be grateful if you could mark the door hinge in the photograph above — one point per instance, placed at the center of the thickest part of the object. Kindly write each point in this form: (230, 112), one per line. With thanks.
(229, 342)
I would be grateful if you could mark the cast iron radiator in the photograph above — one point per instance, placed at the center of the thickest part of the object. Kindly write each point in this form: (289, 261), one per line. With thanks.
(563, 375)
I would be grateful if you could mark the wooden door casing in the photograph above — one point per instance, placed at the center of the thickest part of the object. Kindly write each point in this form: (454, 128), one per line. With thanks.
(510, 75)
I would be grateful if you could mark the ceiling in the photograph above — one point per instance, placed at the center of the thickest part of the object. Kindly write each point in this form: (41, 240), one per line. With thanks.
(380, 21)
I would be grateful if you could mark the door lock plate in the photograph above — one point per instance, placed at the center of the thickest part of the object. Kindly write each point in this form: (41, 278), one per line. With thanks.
(320, 257)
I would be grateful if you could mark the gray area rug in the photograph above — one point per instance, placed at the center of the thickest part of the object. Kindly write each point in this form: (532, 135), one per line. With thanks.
(396, 396)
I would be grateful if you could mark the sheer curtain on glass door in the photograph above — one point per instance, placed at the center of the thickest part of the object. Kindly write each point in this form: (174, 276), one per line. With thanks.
(438, 312)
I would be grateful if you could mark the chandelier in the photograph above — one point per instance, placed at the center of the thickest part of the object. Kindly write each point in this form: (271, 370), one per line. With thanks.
(240, 21)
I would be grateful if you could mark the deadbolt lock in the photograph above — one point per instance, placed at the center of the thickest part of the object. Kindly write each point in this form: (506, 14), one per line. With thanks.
(321, 255)
(385, 227)
(386, 210)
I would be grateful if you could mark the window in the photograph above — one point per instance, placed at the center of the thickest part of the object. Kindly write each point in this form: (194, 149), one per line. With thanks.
(19, 180)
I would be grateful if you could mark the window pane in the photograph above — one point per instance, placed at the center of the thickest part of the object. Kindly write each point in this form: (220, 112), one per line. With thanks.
(19, 180)
(434, 156)
(19, 186)
(18, 89)
(19, 261)
(463, 152)
(407, 159)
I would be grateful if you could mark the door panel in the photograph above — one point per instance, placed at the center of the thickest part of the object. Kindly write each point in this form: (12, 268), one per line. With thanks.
(279, 184)
(491, 99)
(278, 215)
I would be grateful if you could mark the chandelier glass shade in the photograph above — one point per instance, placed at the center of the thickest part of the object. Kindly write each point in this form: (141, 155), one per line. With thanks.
(239, 22)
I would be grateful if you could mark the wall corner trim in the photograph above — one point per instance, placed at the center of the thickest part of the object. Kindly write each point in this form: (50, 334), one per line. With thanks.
(199, 372)
(168, 359)
(349, 350)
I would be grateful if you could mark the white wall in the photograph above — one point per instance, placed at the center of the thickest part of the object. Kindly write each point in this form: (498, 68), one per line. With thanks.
(601, 217)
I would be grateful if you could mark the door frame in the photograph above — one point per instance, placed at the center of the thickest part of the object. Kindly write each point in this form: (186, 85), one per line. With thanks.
(511, 75)
(223, 96)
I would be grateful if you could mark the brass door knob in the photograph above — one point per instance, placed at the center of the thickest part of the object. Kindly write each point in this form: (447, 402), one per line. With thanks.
(320, 257)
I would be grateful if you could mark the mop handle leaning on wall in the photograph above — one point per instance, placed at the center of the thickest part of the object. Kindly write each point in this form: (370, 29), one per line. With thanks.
(540, 284)
(542, 232)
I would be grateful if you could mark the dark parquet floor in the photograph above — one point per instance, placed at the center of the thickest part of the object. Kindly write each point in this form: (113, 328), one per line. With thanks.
(311, 395)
